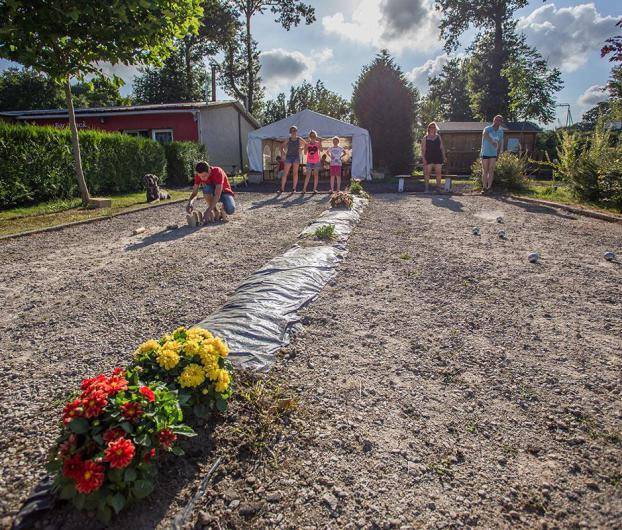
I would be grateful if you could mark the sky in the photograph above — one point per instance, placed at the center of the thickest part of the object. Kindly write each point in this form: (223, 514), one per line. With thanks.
(348, 33)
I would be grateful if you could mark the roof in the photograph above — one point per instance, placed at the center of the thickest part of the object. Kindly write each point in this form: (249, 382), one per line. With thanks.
(133, 109)
(305, 120)
(477, 126)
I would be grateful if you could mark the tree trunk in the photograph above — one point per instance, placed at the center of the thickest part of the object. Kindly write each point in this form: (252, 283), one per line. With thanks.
(249, 65)
(187, 47)
(75, 144)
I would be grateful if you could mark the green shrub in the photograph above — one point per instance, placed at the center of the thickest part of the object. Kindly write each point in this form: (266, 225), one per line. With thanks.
(181, 157)
(510, 172)
(36, 163)
(325, 232)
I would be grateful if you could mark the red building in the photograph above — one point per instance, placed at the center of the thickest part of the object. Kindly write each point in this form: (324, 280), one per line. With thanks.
(222, 126)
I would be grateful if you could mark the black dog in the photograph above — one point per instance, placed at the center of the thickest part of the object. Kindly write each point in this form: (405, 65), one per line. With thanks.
(154, 193)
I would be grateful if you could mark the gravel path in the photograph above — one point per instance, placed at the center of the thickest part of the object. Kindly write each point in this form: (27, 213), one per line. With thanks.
(78, 301)
(447, 382)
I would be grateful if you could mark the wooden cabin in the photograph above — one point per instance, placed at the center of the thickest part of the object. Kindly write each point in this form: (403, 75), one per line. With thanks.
(463, 140)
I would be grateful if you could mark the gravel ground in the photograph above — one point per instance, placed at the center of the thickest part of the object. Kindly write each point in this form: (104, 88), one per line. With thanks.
(77, 301)
(446, 382)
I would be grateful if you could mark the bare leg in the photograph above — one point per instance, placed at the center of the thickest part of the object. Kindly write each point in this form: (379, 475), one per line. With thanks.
(426, 176)
(332, 183)
(316, 174)
(484, 173)
(284, 176)
(295, 175)
(307, 177)
(338, 182)
(491, 171)
(437, 168)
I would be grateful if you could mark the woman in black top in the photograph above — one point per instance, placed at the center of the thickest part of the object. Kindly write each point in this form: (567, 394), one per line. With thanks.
(433, 154)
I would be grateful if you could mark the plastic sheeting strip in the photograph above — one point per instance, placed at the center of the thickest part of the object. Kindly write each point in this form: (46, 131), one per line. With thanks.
(259, 317)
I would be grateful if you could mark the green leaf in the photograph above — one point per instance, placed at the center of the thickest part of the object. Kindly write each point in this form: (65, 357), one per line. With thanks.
(116, 475)
(183, 430)
(143, 439)
(117, 502)
(98, 439)
(176, 450)
(201, 411)
(127, 427)
(79, 500)
(104, 514)
(68, 492)
(221, 404)
(79, 425)
(130, 474)
(142, 488)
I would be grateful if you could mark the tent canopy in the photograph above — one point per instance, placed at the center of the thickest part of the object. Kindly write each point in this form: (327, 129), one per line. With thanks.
(326, 127)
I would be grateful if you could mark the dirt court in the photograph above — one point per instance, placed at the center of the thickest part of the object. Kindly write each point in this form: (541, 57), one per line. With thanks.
(77, 301)
(442, 380)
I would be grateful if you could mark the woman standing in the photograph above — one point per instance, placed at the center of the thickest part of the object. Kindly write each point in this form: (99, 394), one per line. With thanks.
(492, 146)
(312, 150)
(290, 150)
(433, 154)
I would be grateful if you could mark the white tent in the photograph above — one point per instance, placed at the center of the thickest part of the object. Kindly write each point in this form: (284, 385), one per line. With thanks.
(325, 126)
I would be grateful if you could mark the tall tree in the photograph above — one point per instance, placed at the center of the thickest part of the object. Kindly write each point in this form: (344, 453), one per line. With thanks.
(449, 87)
(289, 13)
(99, 92)
(307, 96)
(384, 102)
(68, 39)
(613, 46)
(25, 89)
(486, 16)
(532, 84)
(171, 82)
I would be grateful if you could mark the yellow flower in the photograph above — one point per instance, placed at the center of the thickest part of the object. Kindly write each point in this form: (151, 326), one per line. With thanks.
(147, 347)
(195, 333)
(172, 345)
(220, 346)
(209, 362)
(222, 383)
(192, 348)
(192, 375)
(168, 359)
(212, 372)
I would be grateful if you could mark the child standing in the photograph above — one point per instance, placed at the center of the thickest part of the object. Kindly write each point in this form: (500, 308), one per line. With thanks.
(312, 150)
(336, 153)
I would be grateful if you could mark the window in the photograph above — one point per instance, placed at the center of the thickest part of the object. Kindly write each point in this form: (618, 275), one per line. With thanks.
(138, 132)
(164, 136)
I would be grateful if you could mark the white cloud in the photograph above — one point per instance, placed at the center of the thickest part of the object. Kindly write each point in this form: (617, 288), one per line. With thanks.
(592, 95)
(282, 68)
(566, 36)
(392, 24)
(419, 75)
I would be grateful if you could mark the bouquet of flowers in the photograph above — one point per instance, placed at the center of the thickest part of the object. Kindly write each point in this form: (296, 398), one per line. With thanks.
(341, 198)
(113, 430)
(194, 363)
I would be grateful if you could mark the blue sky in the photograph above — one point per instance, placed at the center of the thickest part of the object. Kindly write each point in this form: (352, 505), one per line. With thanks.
(348, 33)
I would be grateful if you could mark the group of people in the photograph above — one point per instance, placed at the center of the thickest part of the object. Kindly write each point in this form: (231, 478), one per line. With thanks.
(294, 146)
(434, 155)
(220, 199)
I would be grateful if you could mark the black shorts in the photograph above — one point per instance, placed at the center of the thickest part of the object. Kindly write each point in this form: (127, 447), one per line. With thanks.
(433, 162)
(486, 157)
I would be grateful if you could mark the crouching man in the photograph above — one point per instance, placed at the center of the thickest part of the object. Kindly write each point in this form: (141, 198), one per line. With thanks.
(217, 193)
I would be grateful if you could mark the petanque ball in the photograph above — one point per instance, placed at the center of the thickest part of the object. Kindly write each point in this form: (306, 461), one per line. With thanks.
(476, 230)
(534, 257)
(501, 234)
(499, 219)
(609, 256)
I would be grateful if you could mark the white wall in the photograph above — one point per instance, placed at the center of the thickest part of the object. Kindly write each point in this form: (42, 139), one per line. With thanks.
(219, 133)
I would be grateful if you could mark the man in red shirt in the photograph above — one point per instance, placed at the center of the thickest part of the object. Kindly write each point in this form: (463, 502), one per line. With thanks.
(216, 189)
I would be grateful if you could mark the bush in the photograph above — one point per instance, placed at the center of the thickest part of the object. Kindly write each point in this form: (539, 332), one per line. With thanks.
(36, 163)
(509, 172)
(181, 157)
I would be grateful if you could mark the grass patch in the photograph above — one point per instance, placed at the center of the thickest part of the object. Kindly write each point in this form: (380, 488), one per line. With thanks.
(325, 232)
(54, 213)
(556, 191)
(405, 256)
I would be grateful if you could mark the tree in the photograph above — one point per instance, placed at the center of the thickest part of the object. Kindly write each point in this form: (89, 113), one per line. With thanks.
(492, 17)
(613, 46)
(68, 39)
(449, 87)
(171, 83)
(99, 92)
(532, 84)
(307, 96)
(25, 89)
(590, 118)
(430, 109)
(384, 102)
(288, 13)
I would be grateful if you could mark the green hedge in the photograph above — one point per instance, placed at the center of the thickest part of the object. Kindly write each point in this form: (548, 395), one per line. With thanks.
(36, 163)
(181, 157)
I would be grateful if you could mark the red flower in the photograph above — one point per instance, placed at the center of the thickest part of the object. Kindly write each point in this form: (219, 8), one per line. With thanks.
(65, 449)
(166, 438)
(132, 410)
(93, 403)
(148, 393)
(90, 478)
(72, 467)
(117, 371)
(109, 386)
(113, 434)
(72, 410)
(116, 384)
(120, 453)
(149, 455)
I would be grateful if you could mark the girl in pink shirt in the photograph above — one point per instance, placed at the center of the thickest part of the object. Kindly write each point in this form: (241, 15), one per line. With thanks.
(312, 150)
